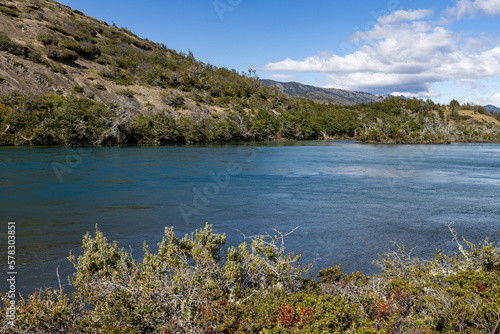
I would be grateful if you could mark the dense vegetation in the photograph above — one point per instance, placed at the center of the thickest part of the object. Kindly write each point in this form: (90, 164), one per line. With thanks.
(59, 120)
(190, 285)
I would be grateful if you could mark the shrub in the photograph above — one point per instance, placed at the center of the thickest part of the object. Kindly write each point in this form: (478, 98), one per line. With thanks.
(61, 54)
(59, 28)
(126, 92)
(79, 89)
(192, 285)
(174, 100)
(7, 45)
(37, 57)
(85, 50)
(454, 115)
(9, 10)
(117, 76)
(99, 86)
(103, 61)
(47, 38)
(58, 69)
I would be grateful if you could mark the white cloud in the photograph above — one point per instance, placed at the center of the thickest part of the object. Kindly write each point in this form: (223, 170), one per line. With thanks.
(286, 77)
(493, 100)
(405, 15)
(488, 7)
(402, 53)
(468, 8)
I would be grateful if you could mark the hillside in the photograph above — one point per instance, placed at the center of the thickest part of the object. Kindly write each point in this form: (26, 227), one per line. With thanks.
(48, 48)
(324, 95)
(69, 79)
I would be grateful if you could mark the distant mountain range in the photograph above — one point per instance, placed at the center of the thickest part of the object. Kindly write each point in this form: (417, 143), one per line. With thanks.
(491, 108)
(333, 95)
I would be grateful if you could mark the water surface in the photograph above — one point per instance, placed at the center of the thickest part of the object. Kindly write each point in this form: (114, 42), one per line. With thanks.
(349, 201)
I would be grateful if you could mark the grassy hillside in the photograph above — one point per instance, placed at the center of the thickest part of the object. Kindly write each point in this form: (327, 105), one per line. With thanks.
(66, 78)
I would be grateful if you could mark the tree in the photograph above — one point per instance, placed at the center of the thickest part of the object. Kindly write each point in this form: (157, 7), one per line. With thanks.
(454, 104)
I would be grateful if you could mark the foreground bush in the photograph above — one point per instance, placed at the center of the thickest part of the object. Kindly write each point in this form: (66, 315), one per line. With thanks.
(192, 286)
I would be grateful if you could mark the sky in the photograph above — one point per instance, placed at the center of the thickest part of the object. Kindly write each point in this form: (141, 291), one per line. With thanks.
(441, 50)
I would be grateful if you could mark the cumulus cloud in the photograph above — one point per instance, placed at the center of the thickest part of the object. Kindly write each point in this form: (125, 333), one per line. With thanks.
(406, 52)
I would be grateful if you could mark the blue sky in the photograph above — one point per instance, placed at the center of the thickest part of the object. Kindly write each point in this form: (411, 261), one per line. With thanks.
(429, 49)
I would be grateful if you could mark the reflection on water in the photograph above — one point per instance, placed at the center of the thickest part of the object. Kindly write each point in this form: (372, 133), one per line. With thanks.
(349, 200)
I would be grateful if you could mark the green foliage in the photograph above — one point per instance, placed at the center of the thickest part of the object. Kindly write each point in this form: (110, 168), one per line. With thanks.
(56, 120)
(7, 45)
(454, 115)
(85, 50)
(192, 285)
(48, 38)
(330, 275)
(99, 86)
(454, 104)
(173, 100)
(305, 120)
(126, 92)
(61, 54)
(58, 69)
(478, 109)
(79, 89)
(117, 76)
(9, 10)
(159, 129)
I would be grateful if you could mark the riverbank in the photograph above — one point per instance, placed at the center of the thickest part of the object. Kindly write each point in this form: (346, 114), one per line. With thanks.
(27, 120)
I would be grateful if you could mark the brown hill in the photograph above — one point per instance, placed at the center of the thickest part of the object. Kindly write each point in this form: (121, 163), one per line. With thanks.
(49, 48)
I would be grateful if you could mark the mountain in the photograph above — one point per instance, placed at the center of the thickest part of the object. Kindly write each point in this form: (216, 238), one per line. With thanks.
(491, 108)
(324, 95)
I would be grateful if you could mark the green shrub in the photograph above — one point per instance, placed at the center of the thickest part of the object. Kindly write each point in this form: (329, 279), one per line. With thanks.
(61, 54)
(99, 86)
(59, 28)
(85, 50)
(37, 57)
(192, 285)
(117, 76)
(79, 89)
(103, 61)
(58, 69)
(9, 10)
(173, 100)
(126, 92)
(7, 45)
(48, 38)
(454, 115)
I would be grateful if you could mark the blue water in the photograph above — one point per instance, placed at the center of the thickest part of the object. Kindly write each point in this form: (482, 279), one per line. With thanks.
(349, 201)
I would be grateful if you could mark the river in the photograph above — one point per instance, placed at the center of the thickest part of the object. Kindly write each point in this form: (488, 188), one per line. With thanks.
(350, 201)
